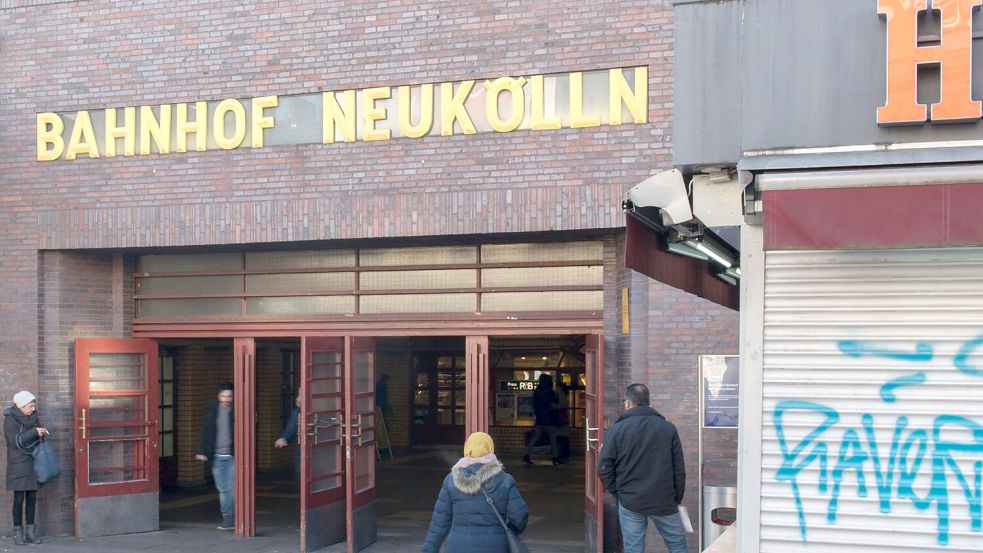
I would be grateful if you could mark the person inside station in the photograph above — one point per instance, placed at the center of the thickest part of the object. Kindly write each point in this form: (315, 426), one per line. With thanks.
(545, 403)
(217, 448)
(289, 434)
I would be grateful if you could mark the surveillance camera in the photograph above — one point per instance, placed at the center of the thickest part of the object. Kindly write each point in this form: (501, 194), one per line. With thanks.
(667, 192)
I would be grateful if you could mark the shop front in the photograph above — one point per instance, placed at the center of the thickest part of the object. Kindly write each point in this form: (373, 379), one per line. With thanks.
(858, 181)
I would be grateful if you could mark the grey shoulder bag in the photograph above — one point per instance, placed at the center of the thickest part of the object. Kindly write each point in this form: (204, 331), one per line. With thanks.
(515, 544)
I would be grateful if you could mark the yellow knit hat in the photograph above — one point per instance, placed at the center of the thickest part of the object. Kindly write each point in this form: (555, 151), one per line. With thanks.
(479, 444)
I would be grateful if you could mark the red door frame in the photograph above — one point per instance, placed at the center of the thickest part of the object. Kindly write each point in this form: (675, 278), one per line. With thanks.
(244, 410)
(359, 432)
(84, 347)
(476, 384)
(594, 399)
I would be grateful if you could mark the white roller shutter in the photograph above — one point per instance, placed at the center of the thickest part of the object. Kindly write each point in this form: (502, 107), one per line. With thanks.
(839, 326)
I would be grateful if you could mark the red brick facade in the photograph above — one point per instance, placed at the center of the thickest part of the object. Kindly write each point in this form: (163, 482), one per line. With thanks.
(69, 56)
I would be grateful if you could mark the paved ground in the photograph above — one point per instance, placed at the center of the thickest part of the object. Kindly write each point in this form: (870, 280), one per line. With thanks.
(407, 489)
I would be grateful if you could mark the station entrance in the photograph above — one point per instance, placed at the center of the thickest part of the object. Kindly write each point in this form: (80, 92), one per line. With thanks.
(140, 403)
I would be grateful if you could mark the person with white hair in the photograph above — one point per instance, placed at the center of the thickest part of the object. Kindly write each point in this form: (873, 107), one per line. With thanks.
(23, 431)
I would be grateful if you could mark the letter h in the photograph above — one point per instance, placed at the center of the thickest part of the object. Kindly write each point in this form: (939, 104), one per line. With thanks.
(953, 54)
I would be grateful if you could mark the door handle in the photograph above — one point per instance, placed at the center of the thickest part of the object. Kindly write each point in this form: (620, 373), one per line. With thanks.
(82, 426)
(317, 424)
(587, 430)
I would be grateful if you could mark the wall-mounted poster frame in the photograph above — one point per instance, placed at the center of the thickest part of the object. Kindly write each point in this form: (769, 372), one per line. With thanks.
(719, 390)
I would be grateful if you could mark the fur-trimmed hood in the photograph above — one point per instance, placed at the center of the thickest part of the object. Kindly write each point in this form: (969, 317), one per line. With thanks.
(469, 480)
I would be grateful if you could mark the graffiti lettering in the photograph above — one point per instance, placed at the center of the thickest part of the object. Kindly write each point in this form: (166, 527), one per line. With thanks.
(912, 451)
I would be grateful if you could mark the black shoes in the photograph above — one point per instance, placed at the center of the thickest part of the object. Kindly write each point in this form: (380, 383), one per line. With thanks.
(30, 536)
(526, 461)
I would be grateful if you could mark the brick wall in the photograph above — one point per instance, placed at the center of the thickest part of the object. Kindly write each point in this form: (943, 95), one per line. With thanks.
(515, 182)
(670, 329)
(80, 295)
(75, 55)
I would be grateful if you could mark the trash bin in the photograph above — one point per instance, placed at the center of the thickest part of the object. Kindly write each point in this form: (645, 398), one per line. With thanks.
(719, 511)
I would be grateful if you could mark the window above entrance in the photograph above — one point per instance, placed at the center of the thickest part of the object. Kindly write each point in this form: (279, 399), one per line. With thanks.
(501, 279)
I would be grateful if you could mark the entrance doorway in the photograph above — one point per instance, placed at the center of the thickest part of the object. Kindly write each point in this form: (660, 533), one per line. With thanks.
(339, 424)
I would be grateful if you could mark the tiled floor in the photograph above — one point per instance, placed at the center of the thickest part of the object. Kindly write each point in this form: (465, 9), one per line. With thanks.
(407, 489)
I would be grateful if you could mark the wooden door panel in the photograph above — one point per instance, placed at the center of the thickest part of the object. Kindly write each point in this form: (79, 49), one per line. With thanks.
(116, 455)
(594, 404)
(320, 428)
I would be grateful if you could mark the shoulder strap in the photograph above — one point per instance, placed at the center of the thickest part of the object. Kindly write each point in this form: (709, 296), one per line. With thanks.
(20, 445)
(494, 509)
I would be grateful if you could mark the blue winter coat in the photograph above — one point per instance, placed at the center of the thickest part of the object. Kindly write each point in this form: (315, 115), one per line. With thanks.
(463, 516)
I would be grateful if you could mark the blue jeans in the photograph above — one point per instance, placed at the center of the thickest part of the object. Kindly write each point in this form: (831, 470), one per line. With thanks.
(224, 473)
(633, 527)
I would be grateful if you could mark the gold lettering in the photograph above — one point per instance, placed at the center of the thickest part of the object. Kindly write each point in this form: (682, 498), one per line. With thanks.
(577, 118)
(156, 129)
(539, 120)
(83, 140)
(128, 132)
(199, 126)
(452, 108)
(636, 100)
(50, 142)
(404, 104)
(334, 114)
(493, 89)
(259, 120)
(223, 139)
(371, 113)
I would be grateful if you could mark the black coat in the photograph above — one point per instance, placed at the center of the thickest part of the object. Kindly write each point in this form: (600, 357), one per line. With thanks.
(544, 402)
(462, 514)
(642, 463)
(206, 443)
(20, 465)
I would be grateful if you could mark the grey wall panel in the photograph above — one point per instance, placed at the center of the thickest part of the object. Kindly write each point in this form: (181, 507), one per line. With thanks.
(811, 74)
(118, 514)
(707, 96)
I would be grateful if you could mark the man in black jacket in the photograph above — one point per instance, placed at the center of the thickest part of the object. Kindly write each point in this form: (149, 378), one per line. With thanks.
(642, 465)
(217, 447)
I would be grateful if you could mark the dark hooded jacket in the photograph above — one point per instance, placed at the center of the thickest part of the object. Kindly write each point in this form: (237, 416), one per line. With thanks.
(206, 442)
(642, 463)
(463, 516)
(20, 465)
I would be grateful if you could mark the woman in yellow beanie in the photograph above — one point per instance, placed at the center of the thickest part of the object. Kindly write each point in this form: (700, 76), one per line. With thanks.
(463, 516)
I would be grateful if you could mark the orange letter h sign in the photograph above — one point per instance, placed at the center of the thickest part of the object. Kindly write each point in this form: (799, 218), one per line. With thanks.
(953, 54)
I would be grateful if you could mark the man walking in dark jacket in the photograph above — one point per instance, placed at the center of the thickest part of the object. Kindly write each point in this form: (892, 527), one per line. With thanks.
(642, 465)
(217, 447)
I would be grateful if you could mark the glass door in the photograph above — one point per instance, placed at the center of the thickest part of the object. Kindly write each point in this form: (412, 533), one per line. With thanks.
(116, 454)
(360, 437)
(594, 420)
(321, 431)
(167, 405)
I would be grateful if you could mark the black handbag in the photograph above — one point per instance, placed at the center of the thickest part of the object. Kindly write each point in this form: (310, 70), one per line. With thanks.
(515, 544)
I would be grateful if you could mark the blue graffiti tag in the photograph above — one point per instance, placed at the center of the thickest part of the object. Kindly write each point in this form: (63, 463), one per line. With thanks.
(855, 348)
(911, 449)
(887, 390)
